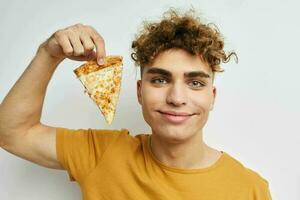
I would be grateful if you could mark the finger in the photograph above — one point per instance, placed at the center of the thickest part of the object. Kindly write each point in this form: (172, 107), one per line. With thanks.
(87, 43)
(90, 56)
(64, 42)
(78, 49)
(100, 46)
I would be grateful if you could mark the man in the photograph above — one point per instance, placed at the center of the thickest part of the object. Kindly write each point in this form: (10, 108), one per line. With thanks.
(179, 57)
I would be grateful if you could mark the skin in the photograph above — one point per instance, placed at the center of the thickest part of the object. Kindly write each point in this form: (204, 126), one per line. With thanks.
(75, 42)
(178, 145)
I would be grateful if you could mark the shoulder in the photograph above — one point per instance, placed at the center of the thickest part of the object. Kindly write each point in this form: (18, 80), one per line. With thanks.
(256, 184)
(90, 132)
(248, 175)
(127, 139)
(96, 138)
(119, 135)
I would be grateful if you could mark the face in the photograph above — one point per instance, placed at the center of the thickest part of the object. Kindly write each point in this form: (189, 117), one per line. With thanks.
(176, 93)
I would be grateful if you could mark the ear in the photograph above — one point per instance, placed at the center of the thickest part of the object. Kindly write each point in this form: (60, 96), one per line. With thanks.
(138, 90)
(213, 98)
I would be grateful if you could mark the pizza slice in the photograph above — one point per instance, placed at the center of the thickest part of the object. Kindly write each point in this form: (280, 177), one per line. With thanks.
(102, 83)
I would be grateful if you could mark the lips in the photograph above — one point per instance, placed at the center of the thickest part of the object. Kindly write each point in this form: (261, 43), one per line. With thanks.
(175, 113)
(175, 117)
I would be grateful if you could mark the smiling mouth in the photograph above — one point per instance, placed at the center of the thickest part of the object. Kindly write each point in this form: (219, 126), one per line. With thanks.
(175, 113)
(175, 117)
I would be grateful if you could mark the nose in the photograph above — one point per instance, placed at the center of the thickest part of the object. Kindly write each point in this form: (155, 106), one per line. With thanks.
(176, 95)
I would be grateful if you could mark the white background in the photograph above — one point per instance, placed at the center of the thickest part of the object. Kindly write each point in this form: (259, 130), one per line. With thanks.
(256, 116)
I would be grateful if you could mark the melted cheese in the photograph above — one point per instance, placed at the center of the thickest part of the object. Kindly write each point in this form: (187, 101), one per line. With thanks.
(103, 86)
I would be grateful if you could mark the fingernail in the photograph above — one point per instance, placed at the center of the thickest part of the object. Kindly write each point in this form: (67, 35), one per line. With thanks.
(100, 61)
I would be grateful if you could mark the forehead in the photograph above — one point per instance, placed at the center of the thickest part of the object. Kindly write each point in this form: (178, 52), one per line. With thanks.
(179, 62)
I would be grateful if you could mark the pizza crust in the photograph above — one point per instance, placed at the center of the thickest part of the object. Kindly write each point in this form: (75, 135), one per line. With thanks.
(92, 65)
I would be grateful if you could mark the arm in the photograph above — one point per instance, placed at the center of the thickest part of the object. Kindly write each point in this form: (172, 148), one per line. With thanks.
(21, 132)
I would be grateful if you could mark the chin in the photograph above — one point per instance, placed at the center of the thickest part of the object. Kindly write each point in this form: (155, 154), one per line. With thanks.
(173, 134)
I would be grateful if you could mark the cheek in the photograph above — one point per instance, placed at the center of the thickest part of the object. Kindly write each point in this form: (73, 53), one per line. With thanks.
(151, 96)
(150, 101)
(202, 102)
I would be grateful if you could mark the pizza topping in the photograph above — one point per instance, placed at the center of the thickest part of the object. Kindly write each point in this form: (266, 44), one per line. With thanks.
(102, 83)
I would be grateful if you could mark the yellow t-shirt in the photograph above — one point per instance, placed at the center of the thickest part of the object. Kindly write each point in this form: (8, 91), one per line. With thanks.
(114, 165)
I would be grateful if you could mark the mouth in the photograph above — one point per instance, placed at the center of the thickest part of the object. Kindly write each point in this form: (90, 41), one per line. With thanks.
(175, 117)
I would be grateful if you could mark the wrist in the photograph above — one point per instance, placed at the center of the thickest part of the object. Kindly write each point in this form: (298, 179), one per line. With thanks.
(43, 53)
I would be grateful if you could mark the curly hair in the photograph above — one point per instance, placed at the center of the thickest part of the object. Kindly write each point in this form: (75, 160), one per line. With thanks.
(182, 31)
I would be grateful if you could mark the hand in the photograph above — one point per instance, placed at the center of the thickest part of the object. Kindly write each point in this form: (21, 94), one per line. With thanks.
(76, 42)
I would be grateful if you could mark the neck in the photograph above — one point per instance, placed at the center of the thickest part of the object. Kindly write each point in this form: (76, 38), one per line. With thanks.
(189, 154)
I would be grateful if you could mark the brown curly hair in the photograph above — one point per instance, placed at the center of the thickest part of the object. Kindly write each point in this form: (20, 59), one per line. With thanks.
(183, 31)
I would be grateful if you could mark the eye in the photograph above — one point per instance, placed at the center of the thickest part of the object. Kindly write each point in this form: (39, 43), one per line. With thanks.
(196, 84)
(159, 81)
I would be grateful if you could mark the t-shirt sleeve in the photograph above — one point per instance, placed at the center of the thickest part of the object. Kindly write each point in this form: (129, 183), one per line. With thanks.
(267, 191)
(261, 191)
(80, 150)
(260, 187)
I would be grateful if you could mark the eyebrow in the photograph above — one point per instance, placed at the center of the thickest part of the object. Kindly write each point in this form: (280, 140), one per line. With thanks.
(193, 74)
